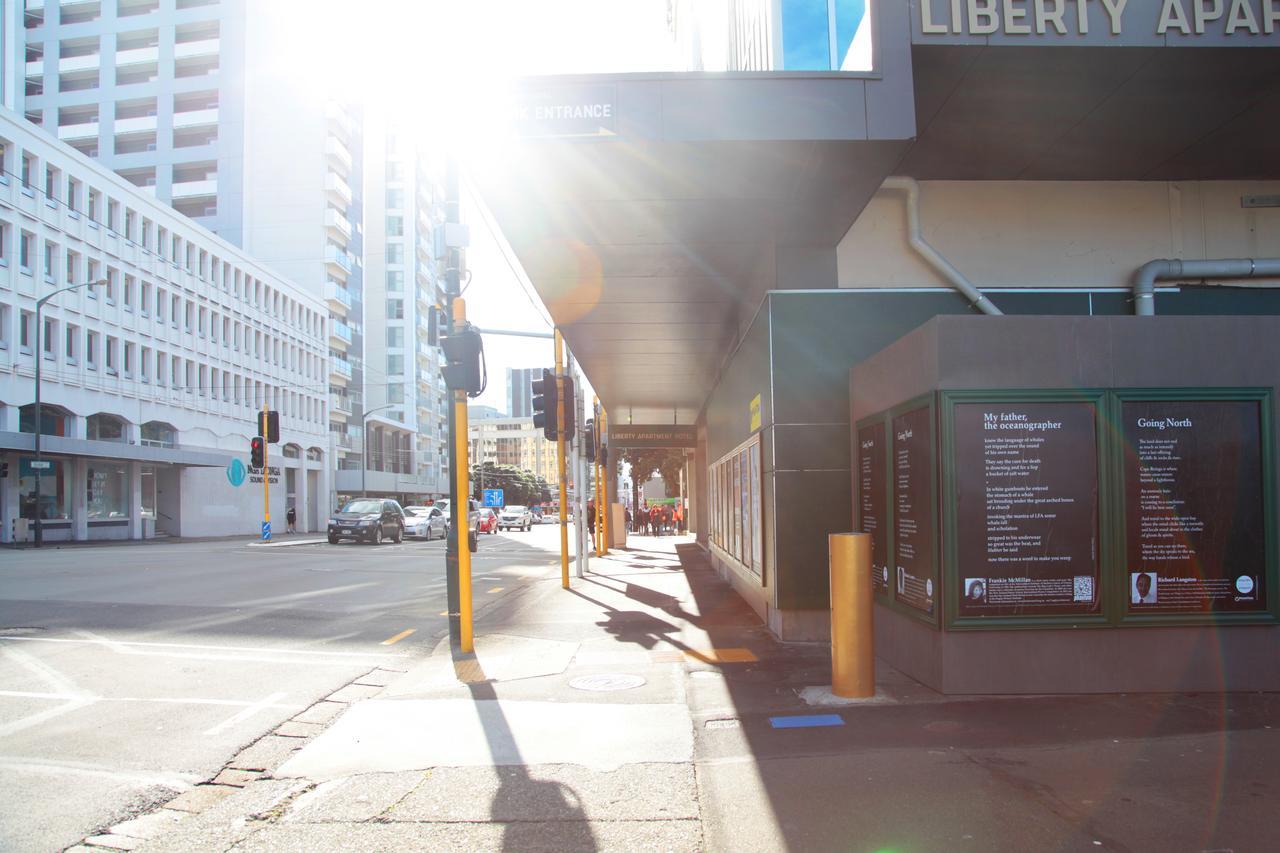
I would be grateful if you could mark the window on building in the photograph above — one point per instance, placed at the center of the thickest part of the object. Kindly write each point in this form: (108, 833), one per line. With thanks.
(126, 292)
(144, 364)
(93, 205)
(113, 283)
(4, 326)
(175, 309)
(52, 180)
(73, 267)
(144, 299)
(50, 260)
(395, 365)
(129, 358)
(108, 494)
(395, 309)
(50, 342)
(395, 199)
(91, 270)
(72, 336)
(91, 350)
(395, 336)
(395, 226)
(113, 215)
(395, 253)
(26, 244)
(4, 243)
(189, 316)
(395, 281)
(73, 194)
(111, 357)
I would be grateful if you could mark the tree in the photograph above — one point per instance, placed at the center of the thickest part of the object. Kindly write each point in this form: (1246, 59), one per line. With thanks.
(519, 487)
(646, 461)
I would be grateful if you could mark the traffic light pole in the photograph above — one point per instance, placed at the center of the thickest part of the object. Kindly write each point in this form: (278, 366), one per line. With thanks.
(457, 560)
(604, 483)
(563, 474)
(266, 487)
(462, 499)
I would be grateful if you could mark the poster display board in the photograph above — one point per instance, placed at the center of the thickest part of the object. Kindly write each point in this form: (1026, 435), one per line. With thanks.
(873, 491)
(914, 514)
(1194, 506)
(736, 500)
(1025, 480)
(757, 540)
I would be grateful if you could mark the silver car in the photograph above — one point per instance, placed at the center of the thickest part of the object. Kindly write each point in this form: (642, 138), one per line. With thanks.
(515, 518)
(425, 522)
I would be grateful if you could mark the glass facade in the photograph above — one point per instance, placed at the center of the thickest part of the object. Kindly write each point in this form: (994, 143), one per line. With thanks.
(107, 494)
(55, 496)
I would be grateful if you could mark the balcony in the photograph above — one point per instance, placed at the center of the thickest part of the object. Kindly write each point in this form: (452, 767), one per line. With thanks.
(427, 352)
(337, 260)
(137, 56)
(35, 68)
(70, 64)
(339, 335)
(340, 121)
(337, 222)
(140, 124)
(195, 118)
(338, 298)
(338, 189)
(339, 407)
(337, 152)
(339, 370)
(204, 47)
(191, 189)
(84, 130)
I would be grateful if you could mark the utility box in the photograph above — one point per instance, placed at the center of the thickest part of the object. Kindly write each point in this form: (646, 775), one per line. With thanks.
(617, 526)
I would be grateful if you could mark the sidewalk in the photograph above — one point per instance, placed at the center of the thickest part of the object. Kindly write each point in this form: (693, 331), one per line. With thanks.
(647, 708)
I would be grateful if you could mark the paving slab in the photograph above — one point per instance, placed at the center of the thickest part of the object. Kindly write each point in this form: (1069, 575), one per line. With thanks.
(236, 778)
(353, 798)
(295, 729)
(114, 842)
(199, 798)
(354, 693)
(150, 825)
(321, 712)
(265, 754)
(498, 657)
(229, 821)
(378, 678)
(551, 792)
(406, 734)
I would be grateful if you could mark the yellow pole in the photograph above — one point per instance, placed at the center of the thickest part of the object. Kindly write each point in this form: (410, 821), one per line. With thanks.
(595, 469)
(853, 662)
(560, 466)
(266, 488)
(604, 484)
(463, 475)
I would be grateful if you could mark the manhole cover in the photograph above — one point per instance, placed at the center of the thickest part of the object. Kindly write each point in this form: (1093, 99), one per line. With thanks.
(606, 683)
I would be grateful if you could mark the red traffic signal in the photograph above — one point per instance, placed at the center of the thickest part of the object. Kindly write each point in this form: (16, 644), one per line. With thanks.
(257, 452)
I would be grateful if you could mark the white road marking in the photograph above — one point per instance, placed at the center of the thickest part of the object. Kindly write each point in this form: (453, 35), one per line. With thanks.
(58, 682)
(177, 781)
(73, 697)
(245, 714)
(178, 700)
(44, 716)
(302, 596)
(123, 645)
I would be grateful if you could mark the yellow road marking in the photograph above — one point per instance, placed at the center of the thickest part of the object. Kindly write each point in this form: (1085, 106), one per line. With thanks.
(444, 612)
(496, 589)
(398, 637)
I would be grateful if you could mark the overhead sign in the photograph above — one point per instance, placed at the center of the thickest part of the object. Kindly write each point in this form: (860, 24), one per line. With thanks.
(1097, 20)
(568, 110)
(493, 497)
(674, 436)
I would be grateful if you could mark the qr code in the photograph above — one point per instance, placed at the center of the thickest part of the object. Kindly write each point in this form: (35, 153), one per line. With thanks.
(1083, 588)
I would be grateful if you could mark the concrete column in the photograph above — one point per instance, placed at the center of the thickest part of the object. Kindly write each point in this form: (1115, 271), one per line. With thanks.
(10, 499)
(9, 419)
(302, 495)
(79, 495)
(77, 427)
(135, 500)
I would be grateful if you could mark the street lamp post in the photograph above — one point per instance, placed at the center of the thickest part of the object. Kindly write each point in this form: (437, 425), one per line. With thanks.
(38, 465)
(364, 434)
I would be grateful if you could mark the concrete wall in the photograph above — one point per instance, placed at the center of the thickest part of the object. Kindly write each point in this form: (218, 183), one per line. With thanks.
(1056, 234)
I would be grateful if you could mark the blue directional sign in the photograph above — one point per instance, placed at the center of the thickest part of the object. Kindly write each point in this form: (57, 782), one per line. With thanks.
(493, 497)
(266, 531)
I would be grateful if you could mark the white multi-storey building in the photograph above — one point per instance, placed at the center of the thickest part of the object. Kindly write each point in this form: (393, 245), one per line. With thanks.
(405, 396)
(226, 111)
(152, 381)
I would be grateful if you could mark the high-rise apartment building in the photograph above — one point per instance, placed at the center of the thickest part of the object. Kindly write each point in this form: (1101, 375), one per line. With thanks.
(520, 390)
(404, 389)
(219, 109)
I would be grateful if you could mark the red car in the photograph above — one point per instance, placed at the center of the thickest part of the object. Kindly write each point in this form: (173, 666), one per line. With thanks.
(488, 521)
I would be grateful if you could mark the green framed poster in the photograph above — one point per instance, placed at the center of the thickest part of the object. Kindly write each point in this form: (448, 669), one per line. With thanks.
(1023, 508)
(1197, 531)
(913, 549)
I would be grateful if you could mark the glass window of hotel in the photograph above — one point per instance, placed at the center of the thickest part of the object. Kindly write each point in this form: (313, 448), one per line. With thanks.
(395, 199)
(130, 225)
(52, 179)
(203, 326)
(189, 316)
(5, 230)
(395, 336)
(148, 479)
(175, 309)
(126, 292)
(395, 253)
(108, 490)
(395, 309)
(91, 269)
(4, 326)
(50, 340)
(73, 194)
(159, 434)
(395, 226)
(161, 360)
(144, 298)
(161, 242)
(91, 350)
(144, 364)
(113, 278)
(72, 341)
(111, 357)
(129, 359)
(55, 489)
(176, 250)
(50, 259)
(93, 204)
(202, 380)
(175, 372)
(6, 160)
(73, 267)
(395, 281)
(113, 215)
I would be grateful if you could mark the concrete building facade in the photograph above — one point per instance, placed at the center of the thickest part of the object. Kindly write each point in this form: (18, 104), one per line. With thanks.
(515, 442)
(151, 382)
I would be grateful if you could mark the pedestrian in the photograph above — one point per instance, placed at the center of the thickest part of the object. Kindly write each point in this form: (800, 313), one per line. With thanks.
(291, 516)
(628, 514)
(591, 517)
(655, 520)
(679, 518)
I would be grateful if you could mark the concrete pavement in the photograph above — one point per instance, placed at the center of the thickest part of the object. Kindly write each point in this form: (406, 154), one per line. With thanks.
(647, 708)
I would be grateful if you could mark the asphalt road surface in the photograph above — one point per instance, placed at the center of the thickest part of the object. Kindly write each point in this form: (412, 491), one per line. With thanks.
(130, 671)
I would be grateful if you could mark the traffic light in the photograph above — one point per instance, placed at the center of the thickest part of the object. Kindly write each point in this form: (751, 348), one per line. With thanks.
(589, 439)
(544, 404)
(464, 352)
(570, 408)
(257, 451)
(435, 322)
(269, 426)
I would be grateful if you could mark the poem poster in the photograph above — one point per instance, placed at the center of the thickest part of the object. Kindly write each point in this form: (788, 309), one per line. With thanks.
(872, 492)
(914, 513)
(1195, 537)
(1026, 478)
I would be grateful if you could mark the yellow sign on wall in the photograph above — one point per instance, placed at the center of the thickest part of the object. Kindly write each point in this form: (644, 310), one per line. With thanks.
(755, 413)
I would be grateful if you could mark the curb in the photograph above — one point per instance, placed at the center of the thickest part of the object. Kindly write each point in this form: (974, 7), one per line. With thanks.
(254, 762)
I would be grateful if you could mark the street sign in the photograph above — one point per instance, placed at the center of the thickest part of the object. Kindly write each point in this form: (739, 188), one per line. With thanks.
(493, 497)
(266, 531)
(41, 465)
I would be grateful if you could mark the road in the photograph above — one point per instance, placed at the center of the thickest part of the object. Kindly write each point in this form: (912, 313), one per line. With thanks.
(128, 672)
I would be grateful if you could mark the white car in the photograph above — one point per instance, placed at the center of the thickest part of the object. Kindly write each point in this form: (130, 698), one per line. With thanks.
(515, 518)
(425, 522)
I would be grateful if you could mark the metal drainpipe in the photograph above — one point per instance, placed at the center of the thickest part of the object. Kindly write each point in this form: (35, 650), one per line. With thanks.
(931, 255)
(1144, 283)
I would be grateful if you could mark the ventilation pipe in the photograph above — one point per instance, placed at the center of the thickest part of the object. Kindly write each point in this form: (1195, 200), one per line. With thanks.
(1144, 283)
(931, 256)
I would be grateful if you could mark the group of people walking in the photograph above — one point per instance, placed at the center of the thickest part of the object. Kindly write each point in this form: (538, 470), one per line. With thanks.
(656, 520)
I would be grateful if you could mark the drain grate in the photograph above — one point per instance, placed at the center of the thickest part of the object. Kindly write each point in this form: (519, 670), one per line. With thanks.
(606, 683)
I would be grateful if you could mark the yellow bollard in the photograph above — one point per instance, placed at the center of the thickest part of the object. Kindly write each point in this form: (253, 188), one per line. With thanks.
(853, 660)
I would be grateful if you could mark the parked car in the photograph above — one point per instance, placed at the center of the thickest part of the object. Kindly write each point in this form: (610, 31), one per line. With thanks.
(488, 522)
(515, 518)
(369, 520)
(426, 522)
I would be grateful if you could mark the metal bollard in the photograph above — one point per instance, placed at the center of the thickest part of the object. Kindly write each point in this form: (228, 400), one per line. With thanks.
(853, 661)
